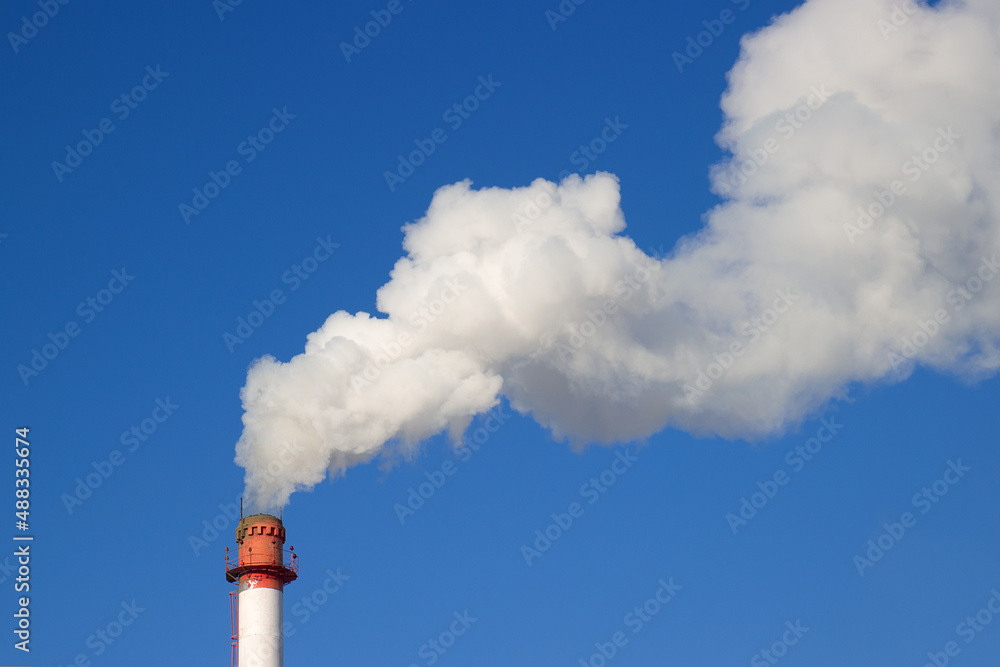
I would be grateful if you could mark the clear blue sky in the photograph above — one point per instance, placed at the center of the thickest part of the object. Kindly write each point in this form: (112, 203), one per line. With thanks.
(182, 284)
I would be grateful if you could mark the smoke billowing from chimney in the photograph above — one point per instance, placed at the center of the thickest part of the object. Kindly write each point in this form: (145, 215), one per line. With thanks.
(856, 238)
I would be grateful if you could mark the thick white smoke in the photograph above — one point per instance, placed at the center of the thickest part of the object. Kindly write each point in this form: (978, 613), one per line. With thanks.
(857, 237)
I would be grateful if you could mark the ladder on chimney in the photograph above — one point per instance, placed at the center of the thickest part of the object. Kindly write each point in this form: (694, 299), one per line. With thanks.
(234, 619)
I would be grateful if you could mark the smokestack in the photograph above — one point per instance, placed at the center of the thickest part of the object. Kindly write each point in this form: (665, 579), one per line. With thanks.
(261, 572)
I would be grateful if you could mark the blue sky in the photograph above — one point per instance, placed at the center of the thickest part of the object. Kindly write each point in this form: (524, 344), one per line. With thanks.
(170, 286)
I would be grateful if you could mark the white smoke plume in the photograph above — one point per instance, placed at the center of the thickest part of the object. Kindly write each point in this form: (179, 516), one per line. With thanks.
(856, 238)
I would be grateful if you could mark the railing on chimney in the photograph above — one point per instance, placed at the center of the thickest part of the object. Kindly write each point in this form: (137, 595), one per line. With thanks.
(286, 567)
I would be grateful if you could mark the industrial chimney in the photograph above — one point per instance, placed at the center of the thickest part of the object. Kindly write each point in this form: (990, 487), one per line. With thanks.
(261, 572)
